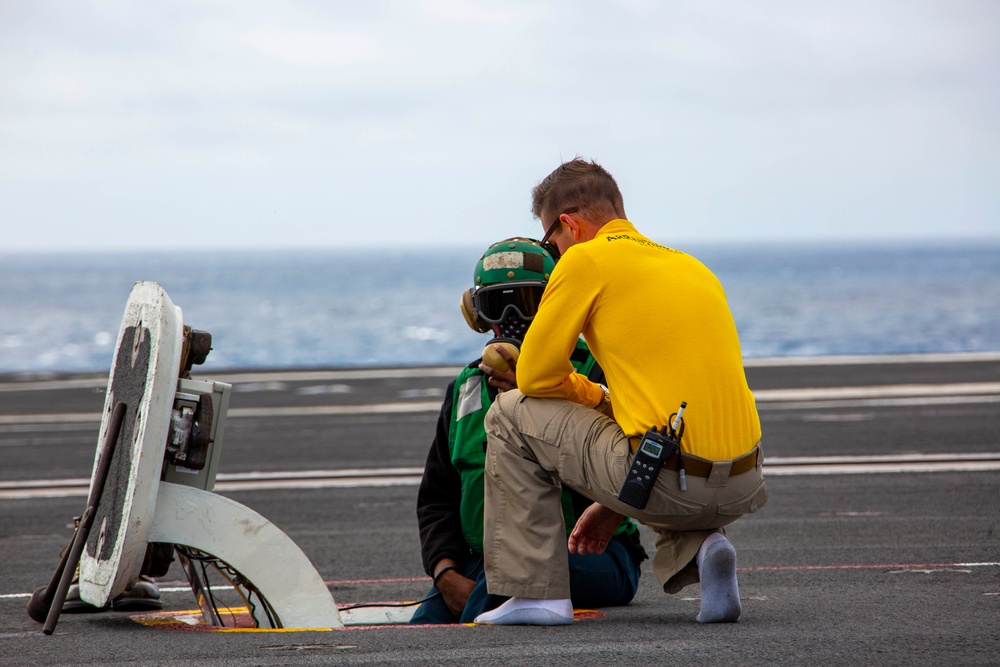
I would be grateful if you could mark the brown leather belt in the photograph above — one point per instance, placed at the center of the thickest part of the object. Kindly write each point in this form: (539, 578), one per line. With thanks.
(703, 467)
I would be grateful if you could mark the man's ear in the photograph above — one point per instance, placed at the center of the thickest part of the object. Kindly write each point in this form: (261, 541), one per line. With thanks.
(574, 226)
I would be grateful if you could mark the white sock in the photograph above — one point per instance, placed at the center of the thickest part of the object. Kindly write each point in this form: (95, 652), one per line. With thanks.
(709, 541)
(529, 611)
(720, 591)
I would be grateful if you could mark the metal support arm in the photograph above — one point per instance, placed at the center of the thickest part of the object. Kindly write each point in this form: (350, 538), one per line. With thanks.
(253, 546)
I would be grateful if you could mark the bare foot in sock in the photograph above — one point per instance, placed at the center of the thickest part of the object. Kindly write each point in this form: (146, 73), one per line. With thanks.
(720, 592)
(529, 611)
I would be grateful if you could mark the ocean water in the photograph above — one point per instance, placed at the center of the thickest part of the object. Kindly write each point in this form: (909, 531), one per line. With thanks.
(61, 312)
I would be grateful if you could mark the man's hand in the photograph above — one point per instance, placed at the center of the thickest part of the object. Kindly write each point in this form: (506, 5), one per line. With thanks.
(595, 527)
(502, 380)
(455, 589)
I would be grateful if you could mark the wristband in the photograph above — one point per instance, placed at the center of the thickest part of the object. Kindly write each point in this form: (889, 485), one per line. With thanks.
(443, 570)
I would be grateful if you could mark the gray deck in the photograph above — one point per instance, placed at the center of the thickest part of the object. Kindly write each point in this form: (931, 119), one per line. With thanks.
(892, 562)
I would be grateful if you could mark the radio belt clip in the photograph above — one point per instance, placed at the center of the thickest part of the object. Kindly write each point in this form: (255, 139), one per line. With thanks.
(656, 447)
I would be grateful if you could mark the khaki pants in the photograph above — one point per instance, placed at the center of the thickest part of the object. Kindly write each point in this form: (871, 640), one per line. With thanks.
(536, 445)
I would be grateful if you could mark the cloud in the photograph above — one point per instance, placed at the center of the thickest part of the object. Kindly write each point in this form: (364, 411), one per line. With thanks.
(305, 123)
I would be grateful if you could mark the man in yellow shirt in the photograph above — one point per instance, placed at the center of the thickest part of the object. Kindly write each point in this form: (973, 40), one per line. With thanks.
(657, 321)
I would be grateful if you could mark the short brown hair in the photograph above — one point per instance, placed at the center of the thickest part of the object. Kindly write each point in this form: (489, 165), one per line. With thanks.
(578, 183)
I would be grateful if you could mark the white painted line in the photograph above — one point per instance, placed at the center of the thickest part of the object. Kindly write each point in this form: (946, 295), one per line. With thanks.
(351, 478)
(240, 413)
(324, 410)
(869, 359)
(879, 391)
(789, 399)
(339, 375)
(63, 418)
(238, 477)
(880, 468)
(879, 403)
(329, 483)
(912, 457)
(758, 568)
(877, 464)
(410, 476)
(100, 381)
(313, 474)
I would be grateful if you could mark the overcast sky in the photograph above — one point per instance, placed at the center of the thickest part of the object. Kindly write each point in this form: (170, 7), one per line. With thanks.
(312, 123)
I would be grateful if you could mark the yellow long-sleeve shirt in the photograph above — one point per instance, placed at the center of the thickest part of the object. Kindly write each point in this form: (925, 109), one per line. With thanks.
(658, 323)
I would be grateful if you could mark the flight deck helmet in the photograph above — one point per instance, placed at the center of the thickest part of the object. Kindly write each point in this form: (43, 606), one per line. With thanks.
(509, 280)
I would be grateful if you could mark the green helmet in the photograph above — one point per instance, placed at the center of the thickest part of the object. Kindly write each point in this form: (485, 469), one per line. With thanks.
(513, 259)
(521, 264)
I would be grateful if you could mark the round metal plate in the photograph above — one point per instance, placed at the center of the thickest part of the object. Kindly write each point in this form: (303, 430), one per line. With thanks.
(143, 375)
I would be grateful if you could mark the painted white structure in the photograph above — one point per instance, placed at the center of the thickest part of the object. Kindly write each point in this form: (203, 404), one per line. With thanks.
(137, 508)
(254, 546)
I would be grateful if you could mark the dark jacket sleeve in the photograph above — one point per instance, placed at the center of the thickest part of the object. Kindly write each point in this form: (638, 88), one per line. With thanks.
(439, 498)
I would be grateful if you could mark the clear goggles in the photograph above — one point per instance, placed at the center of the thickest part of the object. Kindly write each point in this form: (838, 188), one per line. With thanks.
(494, 301)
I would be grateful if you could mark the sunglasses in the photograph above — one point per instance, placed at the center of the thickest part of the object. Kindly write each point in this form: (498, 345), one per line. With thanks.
(549, 245)
(492, 302)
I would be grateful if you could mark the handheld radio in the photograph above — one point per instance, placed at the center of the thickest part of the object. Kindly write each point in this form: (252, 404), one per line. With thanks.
(655, 448)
